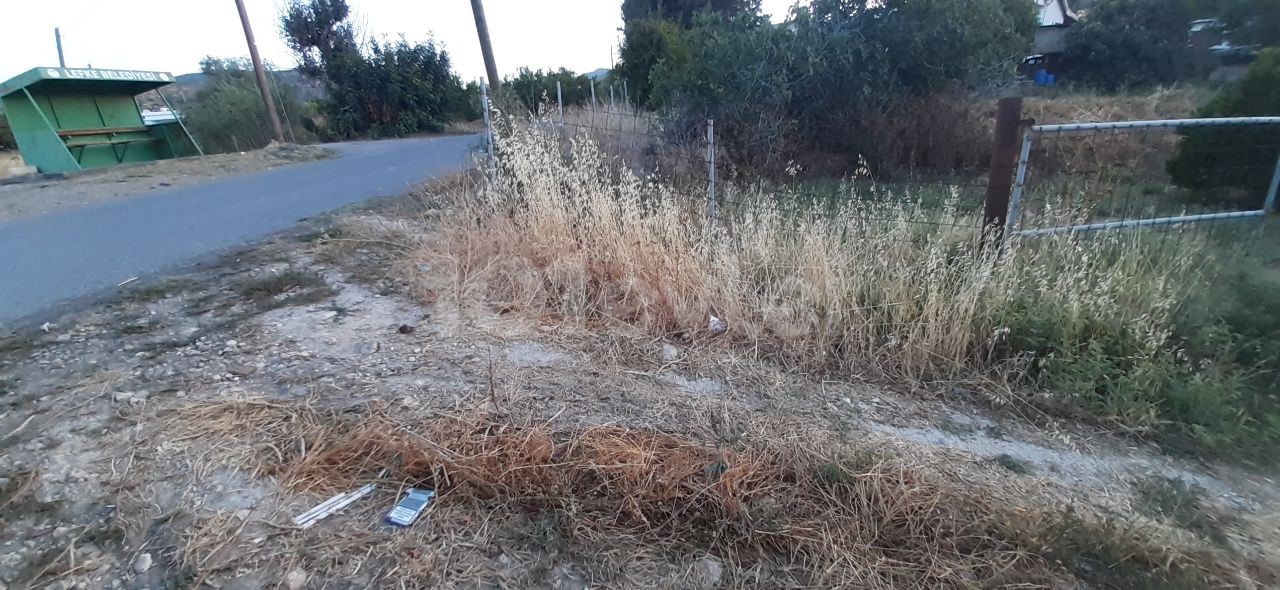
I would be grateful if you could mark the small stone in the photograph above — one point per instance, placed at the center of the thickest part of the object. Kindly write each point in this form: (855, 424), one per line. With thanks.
(669, 353)
(709, 570)
(406, 329)
(296, 579)
(122, 397)
(367, 347)
(142, 563)
(242, 370)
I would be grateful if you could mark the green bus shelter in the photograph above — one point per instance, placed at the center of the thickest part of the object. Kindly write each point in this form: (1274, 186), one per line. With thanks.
(68, 119)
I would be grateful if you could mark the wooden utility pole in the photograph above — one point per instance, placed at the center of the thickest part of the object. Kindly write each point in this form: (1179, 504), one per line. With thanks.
(276, 130)
(57, 38)
(482, 29)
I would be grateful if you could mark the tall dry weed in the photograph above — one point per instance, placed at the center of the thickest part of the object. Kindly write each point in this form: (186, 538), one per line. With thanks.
(886, 288)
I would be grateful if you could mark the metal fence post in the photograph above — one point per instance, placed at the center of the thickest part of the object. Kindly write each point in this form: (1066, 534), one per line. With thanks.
(1003, 151)
(711, 170)
(490, 165)
(593, 102)
(560, 102)
(1019, 185)
(1269, 206)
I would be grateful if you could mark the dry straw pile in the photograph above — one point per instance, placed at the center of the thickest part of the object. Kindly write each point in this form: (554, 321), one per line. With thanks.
(774, 501)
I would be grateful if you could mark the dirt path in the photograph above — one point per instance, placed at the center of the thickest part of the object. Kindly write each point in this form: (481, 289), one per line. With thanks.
(125, 428)
(38, 196)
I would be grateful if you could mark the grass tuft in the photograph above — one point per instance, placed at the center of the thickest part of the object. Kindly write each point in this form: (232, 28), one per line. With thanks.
(1013, 464)
(1181, 503)
(287, 288)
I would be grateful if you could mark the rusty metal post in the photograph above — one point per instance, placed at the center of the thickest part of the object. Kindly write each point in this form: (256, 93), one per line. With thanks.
(1004, 154)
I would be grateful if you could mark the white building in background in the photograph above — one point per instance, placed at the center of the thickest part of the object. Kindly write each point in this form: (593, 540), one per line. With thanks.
(1055, 17)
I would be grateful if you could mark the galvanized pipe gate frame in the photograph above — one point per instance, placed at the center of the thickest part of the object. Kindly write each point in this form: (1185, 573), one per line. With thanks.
(1024, 160)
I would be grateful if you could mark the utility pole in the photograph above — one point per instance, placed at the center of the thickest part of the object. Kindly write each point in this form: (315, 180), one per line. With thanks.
(482, 29)
(57, 37)
(276, 131)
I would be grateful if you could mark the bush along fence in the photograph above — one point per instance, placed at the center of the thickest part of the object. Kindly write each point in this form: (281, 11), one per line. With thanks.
(1073, 179)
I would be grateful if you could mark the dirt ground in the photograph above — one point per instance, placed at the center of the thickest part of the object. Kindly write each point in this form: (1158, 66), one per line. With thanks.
(44, 194)
(9, 159)
(154, 441)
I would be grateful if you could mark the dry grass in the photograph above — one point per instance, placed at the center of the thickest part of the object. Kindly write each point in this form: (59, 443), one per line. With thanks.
(645, 143)
(1131, 155)
(887, 289)
(1076, 107)
(778, 507)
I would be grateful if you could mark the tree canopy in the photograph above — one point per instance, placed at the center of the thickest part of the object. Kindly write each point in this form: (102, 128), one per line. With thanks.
(1130, 43)
(375, 88)
(682, 11)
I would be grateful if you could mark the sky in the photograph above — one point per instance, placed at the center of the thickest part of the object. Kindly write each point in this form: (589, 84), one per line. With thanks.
(172, 35)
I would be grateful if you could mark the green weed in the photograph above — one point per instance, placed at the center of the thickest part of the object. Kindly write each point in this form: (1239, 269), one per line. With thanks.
(1182, 504)
(1013, 464)
(283, 289)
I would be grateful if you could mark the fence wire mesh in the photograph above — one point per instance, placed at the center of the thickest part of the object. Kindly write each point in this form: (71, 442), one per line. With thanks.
(1192, 176)
(1177, 177)
(682, 155)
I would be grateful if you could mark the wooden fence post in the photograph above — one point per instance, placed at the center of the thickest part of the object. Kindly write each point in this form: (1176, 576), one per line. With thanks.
(1004, 159)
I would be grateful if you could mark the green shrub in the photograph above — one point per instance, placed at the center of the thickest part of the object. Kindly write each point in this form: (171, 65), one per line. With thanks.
(227, 113)
(1197, 368)
(839, 78)
(646, 44)
(1235, 158)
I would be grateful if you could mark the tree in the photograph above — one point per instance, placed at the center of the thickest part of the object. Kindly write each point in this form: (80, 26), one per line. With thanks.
(1129, 43)
(534, 88)
(375, 89)
(652, 31)
(683, 11)
(1243, 157)
(647, 43)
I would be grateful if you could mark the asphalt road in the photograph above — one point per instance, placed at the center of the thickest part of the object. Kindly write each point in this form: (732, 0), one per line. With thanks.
(68, 256)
